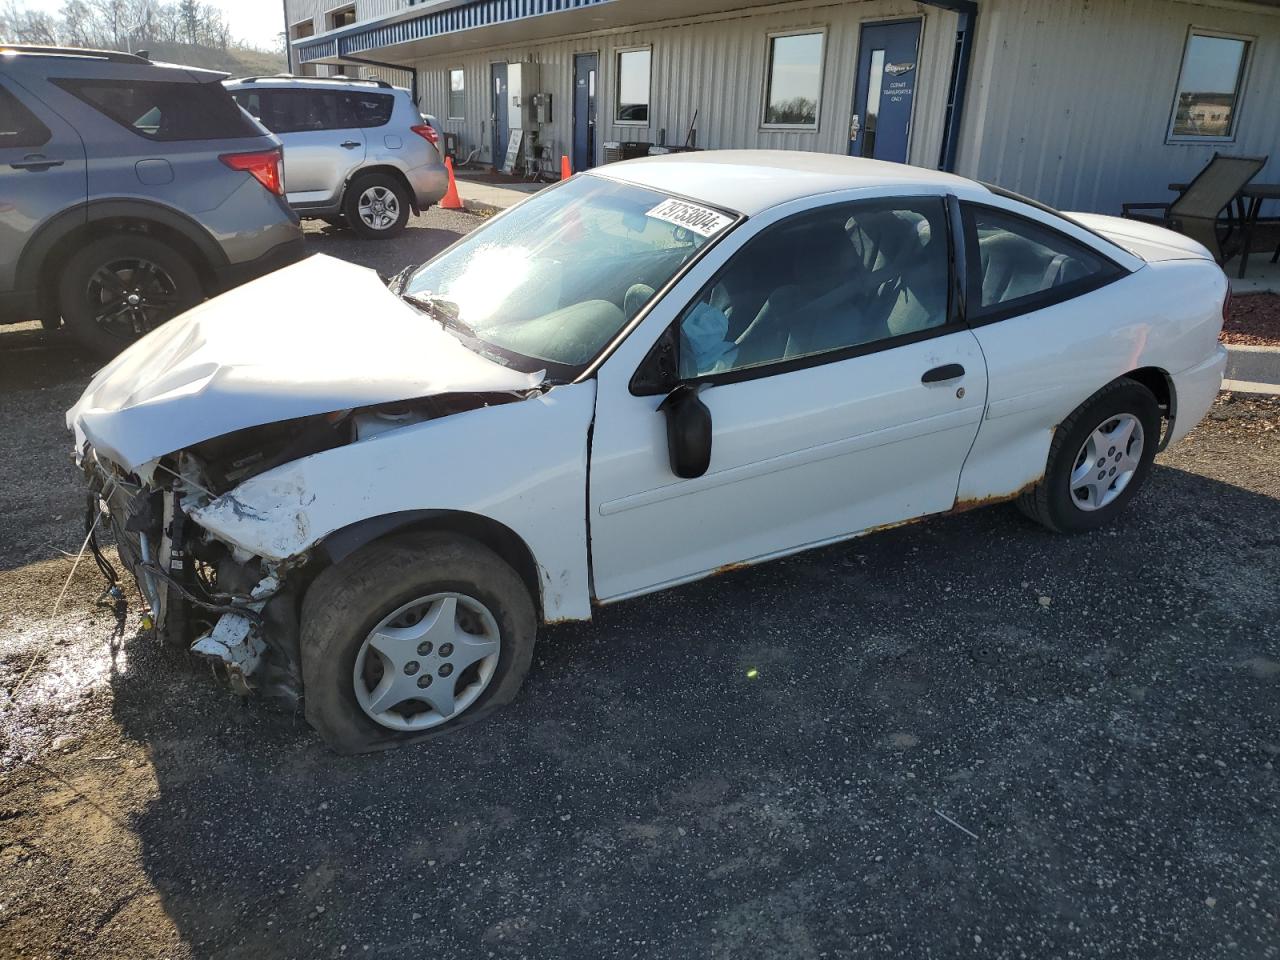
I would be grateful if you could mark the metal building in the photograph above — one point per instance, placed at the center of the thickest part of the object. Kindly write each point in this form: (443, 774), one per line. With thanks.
(1082, 104)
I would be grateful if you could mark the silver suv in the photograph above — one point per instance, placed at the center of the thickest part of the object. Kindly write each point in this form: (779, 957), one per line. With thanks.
(357, 153)
(129, 191)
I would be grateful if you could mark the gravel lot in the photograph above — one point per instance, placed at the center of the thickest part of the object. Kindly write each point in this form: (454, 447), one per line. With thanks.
(966, 737)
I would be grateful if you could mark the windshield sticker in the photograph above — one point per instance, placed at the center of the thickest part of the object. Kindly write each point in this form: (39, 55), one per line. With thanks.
(701, 220)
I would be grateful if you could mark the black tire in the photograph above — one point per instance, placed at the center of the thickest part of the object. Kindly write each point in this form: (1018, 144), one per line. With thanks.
(349, 599)
(1051, 502)
(351, 205)
(98, 316)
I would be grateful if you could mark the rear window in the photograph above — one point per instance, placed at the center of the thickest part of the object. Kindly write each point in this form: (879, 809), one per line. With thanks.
(163, 109)
(18, 125)
(294, 111)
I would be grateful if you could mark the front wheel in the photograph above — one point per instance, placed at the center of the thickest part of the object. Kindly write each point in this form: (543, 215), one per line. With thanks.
(117, 288)
(412, 637)
(1099, 459)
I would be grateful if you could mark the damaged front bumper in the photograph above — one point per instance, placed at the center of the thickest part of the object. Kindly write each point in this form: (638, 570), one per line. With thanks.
(237, 612)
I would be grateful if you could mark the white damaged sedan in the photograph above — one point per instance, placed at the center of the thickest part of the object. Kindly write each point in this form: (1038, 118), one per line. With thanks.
(369, 495)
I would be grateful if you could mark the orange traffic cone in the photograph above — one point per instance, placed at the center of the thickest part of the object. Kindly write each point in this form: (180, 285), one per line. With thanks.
(565, 170)
(451, 200)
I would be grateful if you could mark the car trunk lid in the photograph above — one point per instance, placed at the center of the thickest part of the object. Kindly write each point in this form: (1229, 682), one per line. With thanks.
(1149, 241)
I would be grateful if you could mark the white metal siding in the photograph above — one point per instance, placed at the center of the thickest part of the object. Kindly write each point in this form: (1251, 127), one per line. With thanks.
(1070, 100)
(714, 65)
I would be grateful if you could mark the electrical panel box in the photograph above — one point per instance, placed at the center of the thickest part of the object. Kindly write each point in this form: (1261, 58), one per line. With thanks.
(541, 107)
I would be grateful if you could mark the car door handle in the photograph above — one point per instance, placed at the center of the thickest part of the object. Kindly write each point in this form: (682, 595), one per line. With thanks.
(350, 144)
(36, 163)
(948, 371)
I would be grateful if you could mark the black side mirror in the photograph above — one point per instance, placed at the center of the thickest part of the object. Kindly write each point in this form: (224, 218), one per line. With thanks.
(688, 432)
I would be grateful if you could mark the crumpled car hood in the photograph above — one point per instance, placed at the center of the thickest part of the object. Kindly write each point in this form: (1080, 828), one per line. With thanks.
(318, 336)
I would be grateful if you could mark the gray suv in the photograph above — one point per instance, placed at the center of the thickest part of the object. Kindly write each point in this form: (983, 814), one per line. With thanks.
(129, 191)
(357, 153)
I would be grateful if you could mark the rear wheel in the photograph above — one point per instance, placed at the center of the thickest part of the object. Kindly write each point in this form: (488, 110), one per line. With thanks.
(1099, 459)
(410, 638)
(115, 289)
(376, 205)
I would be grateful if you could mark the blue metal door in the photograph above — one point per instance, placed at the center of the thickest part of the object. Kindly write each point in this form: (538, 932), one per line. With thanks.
(586, 67)
(881, 122)
(498, 118)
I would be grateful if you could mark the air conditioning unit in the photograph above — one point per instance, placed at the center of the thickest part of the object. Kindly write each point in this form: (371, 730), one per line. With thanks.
(615, 150)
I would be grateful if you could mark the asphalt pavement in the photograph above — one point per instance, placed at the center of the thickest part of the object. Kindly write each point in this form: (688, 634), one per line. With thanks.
(965, 737)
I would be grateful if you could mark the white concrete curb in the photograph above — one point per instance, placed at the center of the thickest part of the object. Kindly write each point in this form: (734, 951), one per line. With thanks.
(1252, 369)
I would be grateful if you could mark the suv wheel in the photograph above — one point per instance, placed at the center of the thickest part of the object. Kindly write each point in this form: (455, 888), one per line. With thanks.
(376, 205)
(117, 288)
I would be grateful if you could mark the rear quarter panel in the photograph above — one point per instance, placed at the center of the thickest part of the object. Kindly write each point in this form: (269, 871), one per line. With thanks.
(1042, 365)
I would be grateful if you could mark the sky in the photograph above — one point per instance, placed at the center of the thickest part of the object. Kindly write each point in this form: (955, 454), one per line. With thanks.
(258, 22)
(1212, 65)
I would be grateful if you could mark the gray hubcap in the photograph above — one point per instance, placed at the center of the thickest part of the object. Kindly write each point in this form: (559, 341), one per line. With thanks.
(378, 208)
(1107, 462)
(427, 662)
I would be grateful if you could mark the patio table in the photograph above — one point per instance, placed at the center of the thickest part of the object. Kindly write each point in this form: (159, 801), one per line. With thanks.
(1248, 205)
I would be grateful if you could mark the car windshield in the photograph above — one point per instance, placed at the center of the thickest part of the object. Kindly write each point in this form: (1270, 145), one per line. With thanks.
(554, 280)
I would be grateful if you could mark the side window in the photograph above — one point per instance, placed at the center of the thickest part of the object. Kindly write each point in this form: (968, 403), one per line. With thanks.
(367, 109)
(250, 102)
(163, 109)
(1024, 264)
(846, 276)
(19, 127)
(296, 111)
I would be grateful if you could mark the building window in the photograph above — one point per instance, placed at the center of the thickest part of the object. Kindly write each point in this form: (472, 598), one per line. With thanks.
(1209, 86)
(633, 87)
(457, 95)
(303, 28)
(794, 80)
(342, 16)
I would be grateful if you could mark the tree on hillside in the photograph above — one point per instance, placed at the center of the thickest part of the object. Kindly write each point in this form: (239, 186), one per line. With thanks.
(189, 18)
(19, 25)
(118, 24)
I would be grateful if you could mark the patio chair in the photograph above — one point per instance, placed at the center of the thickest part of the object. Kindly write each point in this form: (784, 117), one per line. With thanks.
(1195, 213)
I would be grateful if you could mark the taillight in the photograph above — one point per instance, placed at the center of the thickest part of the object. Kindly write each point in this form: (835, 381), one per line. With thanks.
(262, 165)
(427, 132)
(1226, 308)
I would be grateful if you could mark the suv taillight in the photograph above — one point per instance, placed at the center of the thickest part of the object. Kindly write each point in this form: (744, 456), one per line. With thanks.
(263, 165)
(427, 132)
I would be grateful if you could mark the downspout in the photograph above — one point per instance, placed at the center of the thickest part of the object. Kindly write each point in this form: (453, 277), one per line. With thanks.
(412, 71)
(288, 38)
(959, 85)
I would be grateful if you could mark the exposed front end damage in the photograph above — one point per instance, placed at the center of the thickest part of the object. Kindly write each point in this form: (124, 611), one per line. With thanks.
(229, 606)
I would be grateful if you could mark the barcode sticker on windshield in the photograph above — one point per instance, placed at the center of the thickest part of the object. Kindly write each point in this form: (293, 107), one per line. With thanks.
(701, 220)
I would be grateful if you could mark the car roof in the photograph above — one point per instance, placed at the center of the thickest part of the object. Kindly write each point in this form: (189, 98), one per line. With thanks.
(44, 59)
(751, 181)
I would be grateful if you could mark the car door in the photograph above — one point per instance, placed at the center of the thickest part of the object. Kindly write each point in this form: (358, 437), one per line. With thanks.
(1047, 349)
(323, 144)
(42, 173)
(844, 392)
